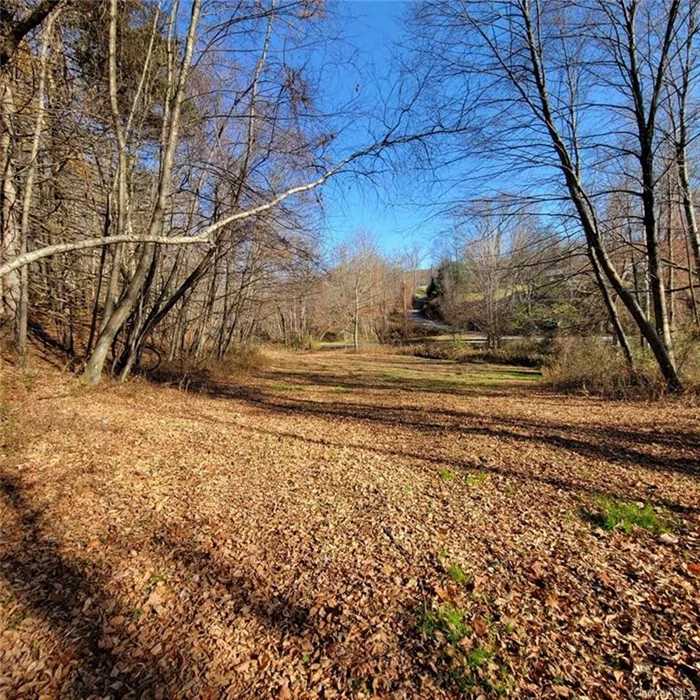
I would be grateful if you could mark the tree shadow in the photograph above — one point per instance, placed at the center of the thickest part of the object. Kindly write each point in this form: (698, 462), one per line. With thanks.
(471, 466)
(70, 596)
(72, 600)
(287, 614)
(617, 445)
(595, 441)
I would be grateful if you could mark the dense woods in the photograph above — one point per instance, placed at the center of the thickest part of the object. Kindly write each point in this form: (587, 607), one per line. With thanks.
(127, 126)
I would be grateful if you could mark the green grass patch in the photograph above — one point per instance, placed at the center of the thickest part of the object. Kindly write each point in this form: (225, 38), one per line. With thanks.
(288, 387)
(447, 621)
(521, 353)
(447, 474)
(446, 379)
(476, 479)
(477, 657)
(458, 575)
(615, 514)
(472, 670)
(340, 390)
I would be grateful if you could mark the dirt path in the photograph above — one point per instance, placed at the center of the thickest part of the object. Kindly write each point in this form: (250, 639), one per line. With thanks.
(343, 526)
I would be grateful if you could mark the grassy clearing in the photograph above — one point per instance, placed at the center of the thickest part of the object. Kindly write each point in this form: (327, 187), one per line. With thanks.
(443, 377)
(590, 366)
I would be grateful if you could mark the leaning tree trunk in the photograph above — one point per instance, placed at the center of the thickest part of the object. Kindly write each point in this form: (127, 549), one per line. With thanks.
(613, 315)
(656, 278)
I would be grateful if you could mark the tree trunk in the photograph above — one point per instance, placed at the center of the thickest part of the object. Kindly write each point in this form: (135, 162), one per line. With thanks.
(100, 277)
(690, 217)
(356, 322)
(613, 315)
(29, 191)
(671, 299)
(8, 211)
(94, 366)
(591, 229)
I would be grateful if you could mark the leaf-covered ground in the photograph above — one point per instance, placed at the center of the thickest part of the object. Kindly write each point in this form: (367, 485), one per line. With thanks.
(344, 526)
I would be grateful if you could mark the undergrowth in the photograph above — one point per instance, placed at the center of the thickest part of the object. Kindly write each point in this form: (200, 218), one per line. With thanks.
(241, 360)
(521, 353)
(458, 575)
(596, 366)
(464, 663)
(447, 622)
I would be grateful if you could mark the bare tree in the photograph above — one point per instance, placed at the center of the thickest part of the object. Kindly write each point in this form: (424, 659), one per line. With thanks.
(491, 237)
(173, 176)
(532, 76)
(362, 290)
(14, 28)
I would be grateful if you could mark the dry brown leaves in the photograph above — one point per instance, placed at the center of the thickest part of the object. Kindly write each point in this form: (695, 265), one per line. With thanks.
(289, 535)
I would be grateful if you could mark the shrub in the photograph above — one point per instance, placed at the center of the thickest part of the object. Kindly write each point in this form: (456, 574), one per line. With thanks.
(520, 353)
(687, 351)
(196, 373)
(596, 366)
(183, 373)
(241, 359)
(16, 387)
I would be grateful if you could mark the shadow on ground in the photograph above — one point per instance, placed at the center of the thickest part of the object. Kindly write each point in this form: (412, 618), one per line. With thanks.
(99, 638)
(283, 394)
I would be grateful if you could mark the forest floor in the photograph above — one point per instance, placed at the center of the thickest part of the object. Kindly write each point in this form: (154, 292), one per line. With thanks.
(334, 525)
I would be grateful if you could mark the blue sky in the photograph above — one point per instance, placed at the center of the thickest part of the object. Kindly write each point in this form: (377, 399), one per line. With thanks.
(403, 209)
(373, 28)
